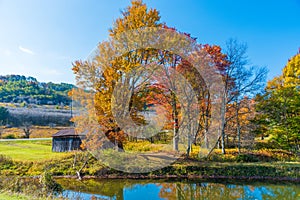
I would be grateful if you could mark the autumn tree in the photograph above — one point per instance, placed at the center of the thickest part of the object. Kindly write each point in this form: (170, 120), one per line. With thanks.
(246, 114)
(217, 60)
(291, 72)
(241, 80)
(166, 96)
(135, 17)
(104, 72)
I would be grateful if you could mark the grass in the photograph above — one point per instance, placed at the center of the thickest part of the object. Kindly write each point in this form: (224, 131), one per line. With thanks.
(41, 150)
(38, 150)
(33, 158)
(30, 158)
(9, 196)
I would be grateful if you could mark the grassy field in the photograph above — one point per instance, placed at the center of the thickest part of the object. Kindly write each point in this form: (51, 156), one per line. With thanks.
(32, 157)
(36, 132)
(41, 150)
(29, 150)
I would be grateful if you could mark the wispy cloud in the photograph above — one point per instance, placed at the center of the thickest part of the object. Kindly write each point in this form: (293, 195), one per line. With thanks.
(26, 50)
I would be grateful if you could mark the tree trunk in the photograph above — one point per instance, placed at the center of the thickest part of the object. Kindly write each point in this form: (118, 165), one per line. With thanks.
(78, 173)
(223, 111)
(176, 124)
(189, 148)
(211, 150)
(239, 138)
(223, 141)
(238, 128)
(206, 132)
(176, 135)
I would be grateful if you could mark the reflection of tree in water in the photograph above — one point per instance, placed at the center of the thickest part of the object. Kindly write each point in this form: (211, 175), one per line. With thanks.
(181, 191)
(286, 192)
(114, 189)
(108, 188)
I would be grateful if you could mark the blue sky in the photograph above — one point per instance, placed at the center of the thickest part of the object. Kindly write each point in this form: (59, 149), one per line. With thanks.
(41, 38)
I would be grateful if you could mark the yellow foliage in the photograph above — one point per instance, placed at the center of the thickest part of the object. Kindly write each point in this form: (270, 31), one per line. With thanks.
(291, 72)
(136, 16)
(290, 75)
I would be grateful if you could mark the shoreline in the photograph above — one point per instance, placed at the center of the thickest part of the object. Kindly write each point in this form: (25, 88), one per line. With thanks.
(186, 178)
(190, 171)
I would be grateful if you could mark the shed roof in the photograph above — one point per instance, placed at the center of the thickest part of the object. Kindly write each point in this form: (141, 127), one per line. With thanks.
(66, 132)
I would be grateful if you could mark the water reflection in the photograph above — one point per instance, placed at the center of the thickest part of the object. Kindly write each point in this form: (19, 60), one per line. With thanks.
(181, 191)
(152, 190)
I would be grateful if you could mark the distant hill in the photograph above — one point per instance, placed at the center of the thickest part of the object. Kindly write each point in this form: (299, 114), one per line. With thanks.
(22, 89)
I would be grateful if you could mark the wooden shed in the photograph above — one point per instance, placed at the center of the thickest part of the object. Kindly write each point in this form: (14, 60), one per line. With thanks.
(66, 140)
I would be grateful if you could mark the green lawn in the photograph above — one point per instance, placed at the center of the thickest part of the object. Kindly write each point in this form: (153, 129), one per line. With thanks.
(29, 150)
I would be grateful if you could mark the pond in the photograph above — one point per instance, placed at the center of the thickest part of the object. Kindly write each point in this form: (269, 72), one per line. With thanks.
(120, 189)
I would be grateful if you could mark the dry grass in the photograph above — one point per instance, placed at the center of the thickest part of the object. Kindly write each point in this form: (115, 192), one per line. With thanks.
(146, 146)
(37, 132)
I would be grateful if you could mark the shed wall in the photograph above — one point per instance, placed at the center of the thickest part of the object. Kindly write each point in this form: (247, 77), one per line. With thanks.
(63, 144)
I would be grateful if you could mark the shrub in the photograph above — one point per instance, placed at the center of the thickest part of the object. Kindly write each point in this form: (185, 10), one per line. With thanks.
(3, 113)
(10, 136)
(49, 185)
(5, 160)
(30, 186)
(246, 158)
(266, 145)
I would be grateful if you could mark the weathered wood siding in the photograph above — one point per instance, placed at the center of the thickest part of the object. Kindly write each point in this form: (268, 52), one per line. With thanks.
(63, 144)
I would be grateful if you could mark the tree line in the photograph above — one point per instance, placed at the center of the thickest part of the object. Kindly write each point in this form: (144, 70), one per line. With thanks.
(21, 89)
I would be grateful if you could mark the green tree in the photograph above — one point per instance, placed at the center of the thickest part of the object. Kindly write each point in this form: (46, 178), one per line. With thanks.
(279, 107)
(3, 113)
(17, 89)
